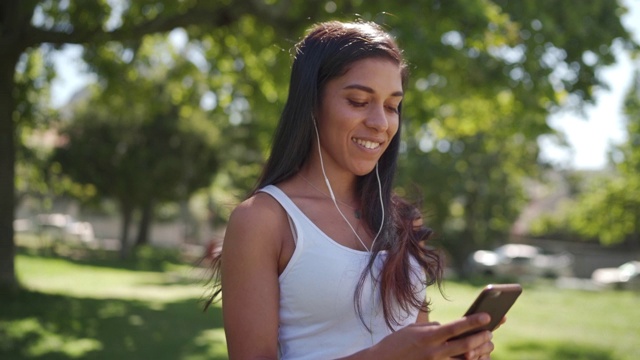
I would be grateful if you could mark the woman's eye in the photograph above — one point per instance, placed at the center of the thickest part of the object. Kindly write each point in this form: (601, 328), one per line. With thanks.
(392, 109)
(357, 103)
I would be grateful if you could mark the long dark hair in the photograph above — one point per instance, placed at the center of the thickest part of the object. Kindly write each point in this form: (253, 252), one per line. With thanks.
(326, 53)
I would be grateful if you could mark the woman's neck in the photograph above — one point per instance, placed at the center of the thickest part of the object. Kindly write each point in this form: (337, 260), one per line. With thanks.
(343, 185)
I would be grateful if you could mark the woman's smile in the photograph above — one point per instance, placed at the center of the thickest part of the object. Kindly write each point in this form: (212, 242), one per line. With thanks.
(366, 143)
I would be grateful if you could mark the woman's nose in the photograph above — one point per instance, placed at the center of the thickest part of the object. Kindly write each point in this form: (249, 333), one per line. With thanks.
(377, 119)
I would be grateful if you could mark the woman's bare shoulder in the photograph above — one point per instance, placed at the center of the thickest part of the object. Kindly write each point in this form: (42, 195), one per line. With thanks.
(259, 207)
(260, 215)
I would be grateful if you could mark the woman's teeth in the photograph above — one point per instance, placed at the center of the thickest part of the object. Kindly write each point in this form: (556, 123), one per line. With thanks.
(366, 143)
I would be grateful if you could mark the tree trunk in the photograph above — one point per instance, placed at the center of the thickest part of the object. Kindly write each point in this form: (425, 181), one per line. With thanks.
(8, 280)
(467, 241)
(127, 214)
(145, 224)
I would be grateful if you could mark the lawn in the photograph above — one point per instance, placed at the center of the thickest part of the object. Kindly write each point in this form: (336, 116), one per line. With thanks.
(104, 309)
(551, 323)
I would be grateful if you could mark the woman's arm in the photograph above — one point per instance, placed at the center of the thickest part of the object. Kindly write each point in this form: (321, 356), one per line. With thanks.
(250, 290)
(423, 317)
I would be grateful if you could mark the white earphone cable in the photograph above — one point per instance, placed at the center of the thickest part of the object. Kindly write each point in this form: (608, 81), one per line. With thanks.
(333, 197)
(370, 250)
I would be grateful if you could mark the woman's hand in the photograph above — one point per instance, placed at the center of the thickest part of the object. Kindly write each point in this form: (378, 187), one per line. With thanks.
(430, 341)
(484, 352)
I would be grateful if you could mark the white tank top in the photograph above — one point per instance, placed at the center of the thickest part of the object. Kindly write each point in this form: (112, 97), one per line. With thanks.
(318, 319)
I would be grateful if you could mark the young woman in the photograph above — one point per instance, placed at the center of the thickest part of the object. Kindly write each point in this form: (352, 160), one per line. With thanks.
(323, 261)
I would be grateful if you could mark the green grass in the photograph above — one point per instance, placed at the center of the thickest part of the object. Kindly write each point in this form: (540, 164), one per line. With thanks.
(74, 309)
(100, 308)
(551, 323)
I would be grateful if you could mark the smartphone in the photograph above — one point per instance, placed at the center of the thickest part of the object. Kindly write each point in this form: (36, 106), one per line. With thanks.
(495, 300)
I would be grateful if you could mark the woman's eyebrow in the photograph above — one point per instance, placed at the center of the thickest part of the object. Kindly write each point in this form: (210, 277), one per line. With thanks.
(370, 90)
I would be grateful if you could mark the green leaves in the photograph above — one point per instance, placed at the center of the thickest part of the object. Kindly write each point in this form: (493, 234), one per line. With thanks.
(485, 76)
(607, 208)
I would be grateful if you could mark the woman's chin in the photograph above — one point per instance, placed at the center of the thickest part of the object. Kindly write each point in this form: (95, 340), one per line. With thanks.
(364, 170)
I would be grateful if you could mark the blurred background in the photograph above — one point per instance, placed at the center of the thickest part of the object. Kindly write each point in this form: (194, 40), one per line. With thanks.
(129, 130)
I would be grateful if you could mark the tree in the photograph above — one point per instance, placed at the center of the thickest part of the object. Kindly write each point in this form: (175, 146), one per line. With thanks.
(614, 214)
(534, 56)
(607, 208)
(29, 24)
(139, 158)
(481, 97)
(142, 150)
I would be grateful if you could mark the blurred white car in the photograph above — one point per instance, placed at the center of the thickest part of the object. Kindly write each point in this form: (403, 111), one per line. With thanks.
(625, 276)
(520, 260)
(81, 230)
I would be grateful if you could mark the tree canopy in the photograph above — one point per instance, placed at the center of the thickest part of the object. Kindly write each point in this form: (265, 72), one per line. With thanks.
(485, 74)
(142, 138)
(607, 208)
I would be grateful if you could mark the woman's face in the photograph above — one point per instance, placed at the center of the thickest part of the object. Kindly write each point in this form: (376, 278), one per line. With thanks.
(358, 115)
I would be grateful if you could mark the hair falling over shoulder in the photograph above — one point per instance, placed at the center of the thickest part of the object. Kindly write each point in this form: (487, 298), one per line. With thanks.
(213, 259)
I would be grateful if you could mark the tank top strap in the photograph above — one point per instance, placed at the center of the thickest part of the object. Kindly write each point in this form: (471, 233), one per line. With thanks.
(292, 210)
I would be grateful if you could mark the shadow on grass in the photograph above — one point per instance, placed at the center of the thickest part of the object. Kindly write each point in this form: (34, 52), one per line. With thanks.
(557, 350)
(142, 258)
(44, 326)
